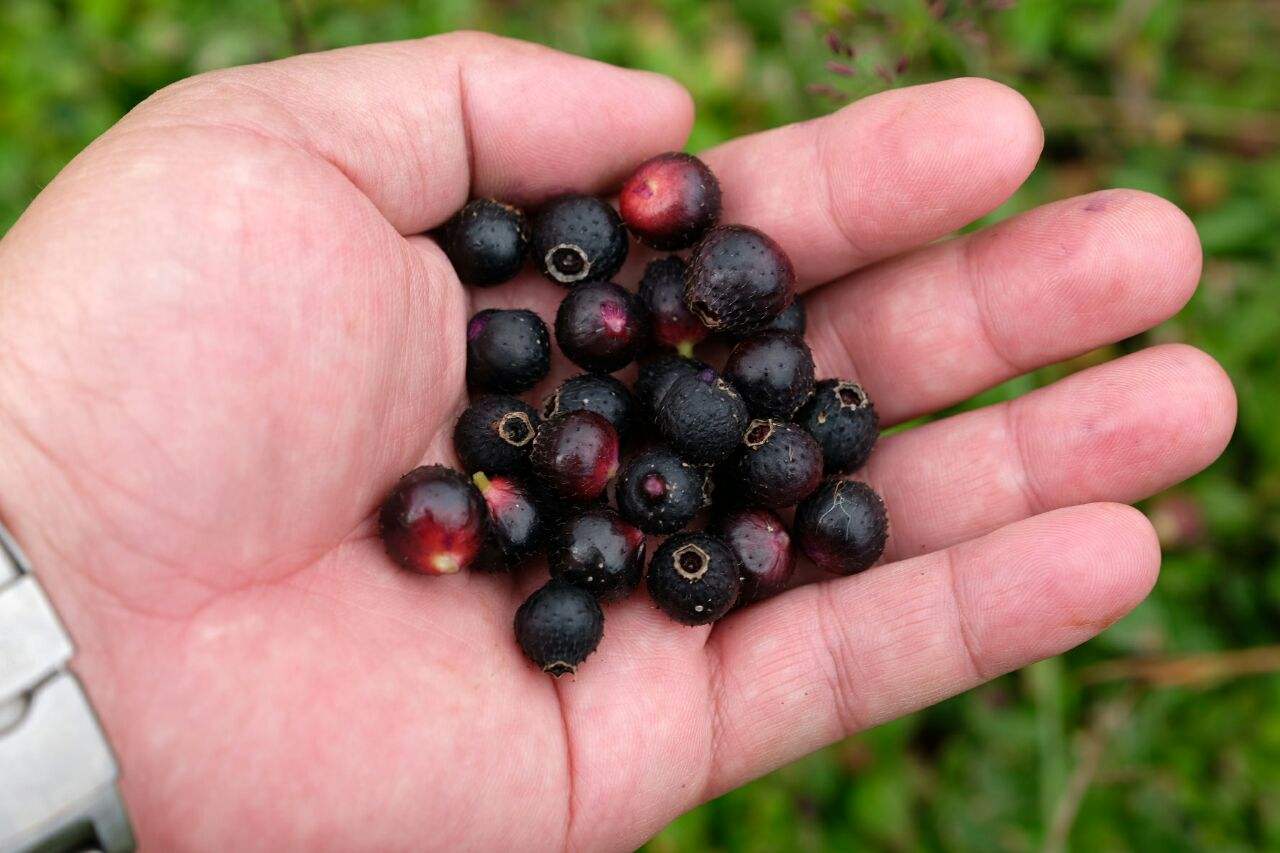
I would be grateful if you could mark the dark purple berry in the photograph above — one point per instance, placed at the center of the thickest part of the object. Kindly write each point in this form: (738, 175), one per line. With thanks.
(495, 434)
(773, 372)
(601, 327)
(433, 521)
(656, 377)
(659, 492)
(515, 523)
(595, 392)
(508, 350)
(671, 322)
(843, 420)
(791, 320)
(842, 526)
(780, 464)
(670, 201)
(486, 242)
(558, 626)
(694, 578)
(599, 552)
(575, 454)
(578, 238)
(702, 418)
(762, 545)
(738, 280)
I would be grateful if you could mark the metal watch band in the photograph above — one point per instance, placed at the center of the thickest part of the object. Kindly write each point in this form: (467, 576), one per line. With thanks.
(57, 774)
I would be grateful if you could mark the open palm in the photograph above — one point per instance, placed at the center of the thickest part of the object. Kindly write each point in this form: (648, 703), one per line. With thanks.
(220, 350)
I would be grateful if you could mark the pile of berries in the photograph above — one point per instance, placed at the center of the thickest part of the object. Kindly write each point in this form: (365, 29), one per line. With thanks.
(728, 450)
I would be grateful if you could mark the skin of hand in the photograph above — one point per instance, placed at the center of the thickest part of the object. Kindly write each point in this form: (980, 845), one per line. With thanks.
(223, 343)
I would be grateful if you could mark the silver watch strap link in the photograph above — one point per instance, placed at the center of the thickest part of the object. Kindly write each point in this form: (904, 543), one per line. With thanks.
(57, 774)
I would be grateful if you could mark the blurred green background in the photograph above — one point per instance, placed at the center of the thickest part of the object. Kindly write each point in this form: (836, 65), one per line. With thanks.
(1165, 732)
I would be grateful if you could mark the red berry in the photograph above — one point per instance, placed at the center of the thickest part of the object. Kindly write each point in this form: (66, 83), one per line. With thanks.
(433, 521)
(670, 201)
(576, 454)
(761, 542)
(671, 322)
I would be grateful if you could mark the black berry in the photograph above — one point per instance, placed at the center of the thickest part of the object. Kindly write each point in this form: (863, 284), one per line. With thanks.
(694, 578)
(791, 320)
(773, 372)
(780, 464)
(601, 327)
(433, 521)
(762, 545)
(656, 377)
(702, 418)
(515, 523)
(595, 392)
(486, 242)
(495, 434)
(671, 322)
(659, 492)
(558, 626)
(670, 201)
(738, 280)
(842, 526)
(843, 420)
(599, 552)
(508, 350)
(578, 238)
(575, 454)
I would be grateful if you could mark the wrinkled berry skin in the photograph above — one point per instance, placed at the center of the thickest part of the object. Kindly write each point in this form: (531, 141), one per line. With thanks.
(575, 454)
(577, 238)
(792, 320)
(843, 420)
(738, 280)
(842, 526)
(659, 492)
(671, 322)
(599, 552)
(515, 528)
(486, 242)
(433, 521)
(595, 392)
(656, 377)
(508, 350)
(670, 201)
(702, 418)
(780, 464)
(694, 578)
(495, 435)
(760, 541)
(601, 327)
(773, 372)
(559, 626)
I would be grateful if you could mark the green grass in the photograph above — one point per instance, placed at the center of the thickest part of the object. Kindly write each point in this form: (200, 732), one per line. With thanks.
(1180, 98)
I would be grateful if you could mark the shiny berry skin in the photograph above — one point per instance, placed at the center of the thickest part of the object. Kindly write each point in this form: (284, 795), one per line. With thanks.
(495, 434)
(791, 320)
(738, 280)
(575, 455)
(694, 578)
(577, 238)
(670, 201)
(486, 242)
(559, 626)
(601, 327)
(702, 418)
(595, 392)
(773, 371)
(842, 526)
(843, 420)
(659, 492)
(671, 322)
(657, 375)
(780, 464)
(760, 541)
(515, 530)
(434, 521)
(508, 350)
(601, 553)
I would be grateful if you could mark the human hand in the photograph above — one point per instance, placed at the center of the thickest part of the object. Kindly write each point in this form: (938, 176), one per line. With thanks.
(223, 344)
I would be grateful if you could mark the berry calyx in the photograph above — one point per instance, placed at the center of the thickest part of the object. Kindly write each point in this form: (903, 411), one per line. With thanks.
(433, 521)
